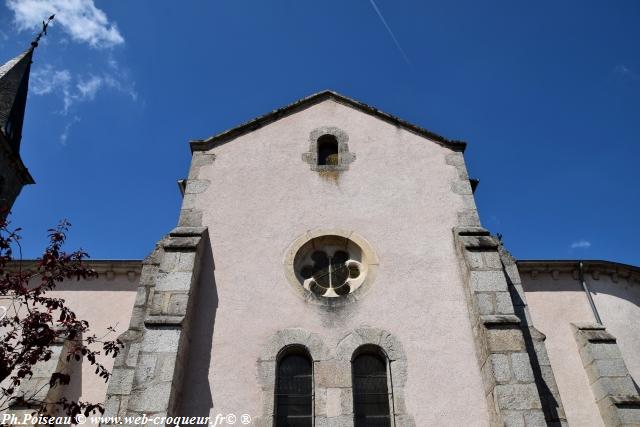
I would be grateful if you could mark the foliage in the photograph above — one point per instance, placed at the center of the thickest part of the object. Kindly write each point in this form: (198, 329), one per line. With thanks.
(34, 321)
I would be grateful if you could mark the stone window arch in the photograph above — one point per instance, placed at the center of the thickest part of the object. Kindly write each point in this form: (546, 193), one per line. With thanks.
(328, 150)
(294, 389)
(372, 387)
(385, 343)
(278, 345)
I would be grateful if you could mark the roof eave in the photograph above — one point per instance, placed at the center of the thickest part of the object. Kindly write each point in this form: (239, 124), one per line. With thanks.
(258, 122)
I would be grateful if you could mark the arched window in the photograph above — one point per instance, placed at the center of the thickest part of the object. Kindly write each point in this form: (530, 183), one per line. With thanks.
(371, 397)
(327, 150)
(294, 389)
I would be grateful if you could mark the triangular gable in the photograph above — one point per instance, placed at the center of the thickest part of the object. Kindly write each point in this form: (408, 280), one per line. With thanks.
(258, 122)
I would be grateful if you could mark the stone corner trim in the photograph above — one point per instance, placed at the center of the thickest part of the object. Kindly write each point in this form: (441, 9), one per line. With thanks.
(148, 373)
(511, 393)
(612, 386)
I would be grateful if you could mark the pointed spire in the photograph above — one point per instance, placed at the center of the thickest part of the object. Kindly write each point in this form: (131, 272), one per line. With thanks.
(14, 85)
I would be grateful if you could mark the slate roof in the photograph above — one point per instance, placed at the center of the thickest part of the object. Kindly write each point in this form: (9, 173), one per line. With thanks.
(14, 84)
(258, 122)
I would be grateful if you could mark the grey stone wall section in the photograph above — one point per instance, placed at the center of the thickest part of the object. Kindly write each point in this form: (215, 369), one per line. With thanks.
(148, 374)
(534, 340)
(468, 215)
(190, 216)
(121, 382)
(333, 394)
(613, 388)
(510, 389)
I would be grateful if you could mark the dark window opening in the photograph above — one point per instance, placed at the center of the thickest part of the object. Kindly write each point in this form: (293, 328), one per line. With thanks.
(294, 390)
(370, 390)
(327, 150)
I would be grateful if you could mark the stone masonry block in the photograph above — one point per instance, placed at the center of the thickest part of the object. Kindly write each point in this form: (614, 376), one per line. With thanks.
(121, 381)
(613, 386)
(190, 217)
(513, 419)
(517, 396)
(503, 303)
(146, 368)
(174, 281)
(132, 354)
(599, 352)
(196, 186)
(488, 281)
(485, 303)
(141, 296)
(607, 368)
(161, 339)
(492, 259)
(178, 261)
(474, 259)
(267, 372)
(332, 373)
(178, 304)
(535, 419)
(153, 398)
(505, 339)
(334, 404)
(500, 365)
(521, 366)
(461, 187)
(629, 416)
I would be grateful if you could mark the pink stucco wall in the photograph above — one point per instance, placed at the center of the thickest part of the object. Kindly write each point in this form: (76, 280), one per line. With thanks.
(397, 195)
(102, 303)
(556, 302)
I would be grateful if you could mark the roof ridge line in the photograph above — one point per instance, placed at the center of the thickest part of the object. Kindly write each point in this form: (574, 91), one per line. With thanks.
(303, 103)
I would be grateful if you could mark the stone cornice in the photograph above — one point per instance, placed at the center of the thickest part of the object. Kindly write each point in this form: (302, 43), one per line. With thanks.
(592, 267)
(106, 268)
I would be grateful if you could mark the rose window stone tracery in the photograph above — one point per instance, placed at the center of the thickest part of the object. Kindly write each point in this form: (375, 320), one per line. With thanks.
(330, 266)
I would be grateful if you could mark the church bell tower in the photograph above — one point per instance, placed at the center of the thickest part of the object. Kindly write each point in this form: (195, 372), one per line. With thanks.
(14, 87)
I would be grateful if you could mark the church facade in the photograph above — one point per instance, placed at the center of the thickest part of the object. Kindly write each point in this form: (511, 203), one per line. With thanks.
(329, 268)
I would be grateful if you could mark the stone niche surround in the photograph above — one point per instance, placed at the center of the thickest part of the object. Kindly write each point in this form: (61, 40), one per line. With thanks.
(333, 394)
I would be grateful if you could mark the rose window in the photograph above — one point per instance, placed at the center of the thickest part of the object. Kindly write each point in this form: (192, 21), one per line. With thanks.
(330, 266)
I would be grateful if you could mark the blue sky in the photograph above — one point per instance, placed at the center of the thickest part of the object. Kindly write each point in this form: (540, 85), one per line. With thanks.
(546, 94)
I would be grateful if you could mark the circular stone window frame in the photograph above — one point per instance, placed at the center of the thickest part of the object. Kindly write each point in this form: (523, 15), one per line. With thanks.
(369, 258)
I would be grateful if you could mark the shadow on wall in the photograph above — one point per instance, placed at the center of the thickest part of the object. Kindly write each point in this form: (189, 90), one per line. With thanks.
(196, 393)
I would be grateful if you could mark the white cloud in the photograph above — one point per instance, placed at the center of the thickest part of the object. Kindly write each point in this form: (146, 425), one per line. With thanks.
(67, 128)
(46, 80)
(87, 89)
(81, 19)
(74, 89)
(580, 244)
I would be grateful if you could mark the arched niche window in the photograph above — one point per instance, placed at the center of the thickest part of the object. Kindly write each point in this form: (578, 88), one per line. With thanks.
(294, 388)
(371, 384)
(327, 150)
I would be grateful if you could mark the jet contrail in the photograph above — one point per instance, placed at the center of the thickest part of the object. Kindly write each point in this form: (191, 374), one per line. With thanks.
(384, 22)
